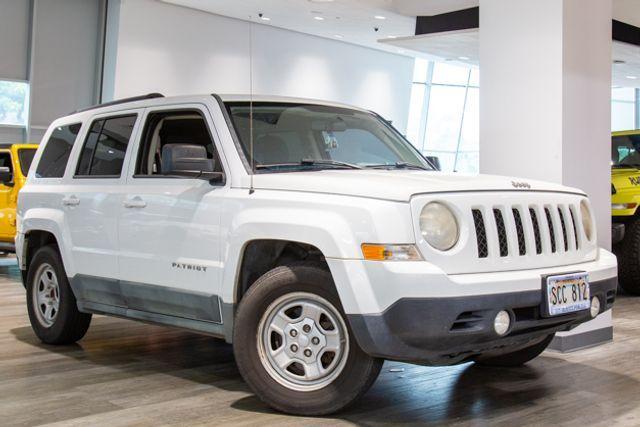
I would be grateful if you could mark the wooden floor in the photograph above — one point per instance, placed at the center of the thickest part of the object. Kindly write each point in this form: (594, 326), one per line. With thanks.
(128, 373)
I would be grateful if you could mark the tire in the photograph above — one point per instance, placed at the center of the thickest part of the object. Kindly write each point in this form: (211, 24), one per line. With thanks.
(516, 358)
(628, 252)
(53, 323)
(349, 371)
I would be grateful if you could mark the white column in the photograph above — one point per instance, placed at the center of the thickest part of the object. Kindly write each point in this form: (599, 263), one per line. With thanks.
(545, 102)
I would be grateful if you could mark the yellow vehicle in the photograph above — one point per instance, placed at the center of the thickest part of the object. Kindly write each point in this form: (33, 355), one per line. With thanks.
(15, 161)
(625, 199)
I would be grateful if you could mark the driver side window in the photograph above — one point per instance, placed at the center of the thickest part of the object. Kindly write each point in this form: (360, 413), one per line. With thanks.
(176, 143)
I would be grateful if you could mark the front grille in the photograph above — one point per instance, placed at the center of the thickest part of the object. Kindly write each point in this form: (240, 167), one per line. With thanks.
(481, 234)
(549, 229)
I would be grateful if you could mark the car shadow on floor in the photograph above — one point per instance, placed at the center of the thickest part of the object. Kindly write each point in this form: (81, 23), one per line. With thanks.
(402, 394)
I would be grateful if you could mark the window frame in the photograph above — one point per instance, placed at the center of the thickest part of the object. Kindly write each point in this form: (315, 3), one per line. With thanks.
(141, 146)
(104, 118)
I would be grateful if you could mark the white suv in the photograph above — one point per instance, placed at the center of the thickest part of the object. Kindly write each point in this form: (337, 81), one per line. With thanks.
(310, 235)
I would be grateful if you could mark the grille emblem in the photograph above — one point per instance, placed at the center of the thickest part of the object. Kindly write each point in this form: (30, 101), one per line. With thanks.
(516, 184)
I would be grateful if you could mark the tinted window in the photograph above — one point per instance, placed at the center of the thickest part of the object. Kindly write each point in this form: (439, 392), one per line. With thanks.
(56, 153)
(25, 157)
(106, 145)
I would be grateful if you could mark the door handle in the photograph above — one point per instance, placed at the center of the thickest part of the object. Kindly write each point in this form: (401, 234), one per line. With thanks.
(135, 202)
(70, 201)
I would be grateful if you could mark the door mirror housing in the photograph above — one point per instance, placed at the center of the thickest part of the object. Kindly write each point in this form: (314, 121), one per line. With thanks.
(435, 162)
(6, 177)
(189, 160)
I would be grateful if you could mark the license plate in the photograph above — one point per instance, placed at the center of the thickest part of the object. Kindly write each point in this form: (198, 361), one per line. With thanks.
(568, 293)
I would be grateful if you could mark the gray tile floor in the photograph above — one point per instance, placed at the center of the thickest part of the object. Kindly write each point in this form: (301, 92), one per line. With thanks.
(128, 373)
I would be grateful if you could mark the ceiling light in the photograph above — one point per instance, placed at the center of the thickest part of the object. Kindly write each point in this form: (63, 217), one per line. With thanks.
(392, 37)
(632, 77)
(321, 1)
(265, 18)
(380, 17)
(318, 18)
(463, 58)
(338, 36)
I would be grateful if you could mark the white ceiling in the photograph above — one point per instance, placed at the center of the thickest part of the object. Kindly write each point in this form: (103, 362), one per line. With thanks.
(457, 46)
(353, 21)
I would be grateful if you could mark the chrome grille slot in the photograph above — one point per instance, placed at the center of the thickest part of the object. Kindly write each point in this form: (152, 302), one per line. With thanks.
(552, 232)
(481, 234)
(564, 229)
(575, 228)
(502, 233)
(522, 245)
(536, 230)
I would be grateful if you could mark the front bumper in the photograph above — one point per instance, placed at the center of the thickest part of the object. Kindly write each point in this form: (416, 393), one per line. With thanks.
(413, 313)
(446, 331)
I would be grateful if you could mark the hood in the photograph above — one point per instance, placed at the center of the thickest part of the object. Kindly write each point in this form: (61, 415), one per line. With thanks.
(396, 185)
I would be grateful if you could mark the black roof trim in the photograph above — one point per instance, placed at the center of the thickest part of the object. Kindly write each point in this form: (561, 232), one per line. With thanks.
(122, 101)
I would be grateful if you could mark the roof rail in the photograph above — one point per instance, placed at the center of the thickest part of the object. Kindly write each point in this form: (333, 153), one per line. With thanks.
(121, 101)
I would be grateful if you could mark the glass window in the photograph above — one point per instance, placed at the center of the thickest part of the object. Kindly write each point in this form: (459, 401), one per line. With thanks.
(449, 74)
(162, 134)
(415, 114)
(470, 135)
(622, 116)
(623, 94)
(420, 70)
(445, 115)
(14, 103)
(25, 157)
(56, 152)
(474, 77)
(318, 136)
(106, 145)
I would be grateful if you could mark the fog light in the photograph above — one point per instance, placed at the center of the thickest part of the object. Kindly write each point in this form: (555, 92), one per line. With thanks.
(595, 306)
(502, 322)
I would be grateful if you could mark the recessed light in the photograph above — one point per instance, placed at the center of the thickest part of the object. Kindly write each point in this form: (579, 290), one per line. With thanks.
(265, 18)
(318, 18)
(380, 17)
(392, 37)
(338, 36)
(463, 58)
(632, 77)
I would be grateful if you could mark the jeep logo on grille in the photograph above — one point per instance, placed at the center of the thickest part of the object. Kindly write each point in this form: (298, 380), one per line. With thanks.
(520, 184)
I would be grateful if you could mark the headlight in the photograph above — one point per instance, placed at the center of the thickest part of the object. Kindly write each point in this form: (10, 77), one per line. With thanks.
(587, 223)
(438, 226)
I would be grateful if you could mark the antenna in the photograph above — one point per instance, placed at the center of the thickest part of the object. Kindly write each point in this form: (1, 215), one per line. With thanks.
(251, 159)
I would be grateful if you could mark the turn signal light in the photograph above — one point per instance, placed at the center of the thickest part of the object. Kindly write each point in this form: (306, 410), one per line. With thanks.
(376, 252)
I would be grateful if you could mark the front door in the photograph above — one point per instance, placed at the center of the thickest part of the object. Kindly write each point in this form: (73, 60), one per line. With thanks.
(169, 221)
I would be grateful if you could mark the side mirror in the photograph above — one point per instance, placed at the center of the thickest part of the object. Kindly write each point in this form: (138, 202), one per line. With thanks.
(435, 161)
(6, 177)
(189, 160)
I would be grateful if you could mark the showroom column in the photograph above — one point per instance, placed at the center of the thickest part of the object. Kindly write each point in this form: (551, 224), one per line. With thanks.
(545, 106)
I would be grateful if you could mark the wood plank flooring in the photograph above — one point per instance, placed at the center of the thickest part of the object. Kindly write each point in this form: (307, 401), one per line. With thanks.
(125, 373)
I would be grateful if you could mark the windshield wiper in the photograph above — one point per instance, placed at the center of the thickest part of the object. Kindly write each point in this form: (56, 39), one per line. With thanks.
(398, 165)
(328, 162)
(309, 162)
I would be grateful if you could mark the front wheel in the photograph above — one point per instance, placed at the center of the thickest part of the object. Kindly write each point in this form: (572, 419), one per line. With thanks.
(293, 346)
(628, 252)
(516, 358)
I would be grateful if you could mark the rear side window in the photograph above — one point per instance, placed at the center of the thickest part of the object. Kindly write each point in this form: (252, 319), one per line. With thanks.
(105, 147)
(25, 157)
(56, 153)
(5, 161)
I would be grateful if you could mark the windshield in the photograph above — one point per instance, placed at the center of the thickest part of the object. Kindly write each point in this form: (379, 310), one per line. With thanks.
(290, 137)
(625, 151)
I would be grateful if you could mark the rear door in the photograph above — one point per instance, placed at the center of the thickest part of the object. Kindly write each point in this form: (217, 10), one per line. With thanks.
(92, 202)
(8, 200)
(169, 225)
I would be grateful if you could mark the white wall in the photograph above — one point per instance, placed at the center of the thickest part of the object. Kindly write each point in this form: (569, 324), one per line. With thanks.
(185, 51)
